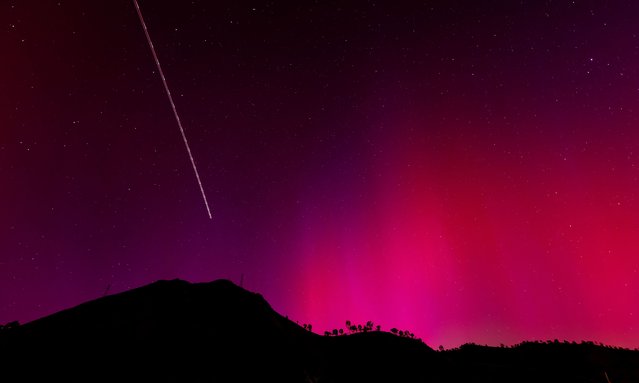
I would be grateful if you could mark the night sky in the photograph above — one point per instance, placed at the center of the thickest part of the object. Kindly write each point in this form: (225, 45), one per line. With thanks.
(466, 170)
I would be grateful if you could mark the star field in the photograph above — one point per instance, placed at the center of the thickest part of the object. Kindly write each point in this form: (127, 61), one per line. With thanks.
(466, 171)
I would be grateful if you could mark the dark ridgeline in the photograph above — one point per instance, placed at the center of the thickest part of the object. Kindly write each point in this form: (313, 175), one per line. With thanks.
(175, 331)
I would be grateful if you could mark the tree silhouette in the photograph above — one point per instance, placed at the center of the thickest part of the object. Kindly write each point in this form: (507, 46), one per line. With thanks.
(369, 325)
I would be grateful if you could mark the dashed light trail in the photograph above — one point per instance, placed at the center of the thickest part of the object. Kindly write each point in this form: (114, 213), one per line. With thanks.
(175, 113)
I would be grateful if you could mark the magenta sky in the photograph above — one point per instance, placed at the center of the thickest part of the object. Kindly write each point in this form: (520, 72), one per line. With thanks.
(467, 171)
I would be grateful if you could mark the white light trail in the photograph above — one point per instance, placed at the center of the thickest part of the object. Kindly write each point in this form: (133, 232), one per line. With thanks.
(177, 117)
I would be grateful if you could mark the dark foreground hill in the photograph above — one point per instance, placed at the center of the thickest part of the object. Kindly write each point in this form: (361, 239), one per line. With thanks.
(175, 331)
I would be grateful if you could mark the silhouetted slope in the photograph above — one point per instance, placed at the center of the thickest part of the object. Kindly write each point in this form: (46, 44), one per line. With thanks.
(166, 331)
(175, 331)
(377, 357)
(537, 362)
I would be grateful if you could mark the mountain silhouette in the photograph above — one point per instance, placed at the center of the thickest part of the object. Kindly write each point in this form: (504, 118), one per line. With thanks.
(176, 331)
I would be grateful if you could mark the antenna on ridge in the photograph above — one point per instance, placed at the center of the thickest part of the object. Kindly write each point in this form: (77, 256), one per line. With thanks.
(242, 280)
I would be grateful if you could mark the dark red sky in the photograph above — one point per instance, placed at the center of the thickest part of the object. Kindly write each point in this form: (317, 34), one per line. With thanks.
(467, 170)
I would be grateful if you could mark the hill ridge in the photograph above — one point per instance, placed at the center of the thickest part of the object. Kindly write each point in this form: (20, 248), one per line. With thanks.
(175, 330)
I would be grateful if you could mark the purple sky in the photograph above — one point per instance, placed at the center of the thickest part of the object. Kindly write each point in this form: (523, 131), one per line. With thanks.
(466, 171)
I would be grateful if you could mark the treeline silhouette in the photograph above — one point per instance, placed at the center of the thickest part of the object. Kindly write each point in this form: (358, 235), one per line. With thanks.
(556, 342)
(369, 326)
(352, 328)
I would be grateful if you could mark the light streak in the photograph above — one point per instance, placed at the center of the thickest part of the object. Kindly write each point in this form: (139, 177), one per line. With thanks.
(175, 113)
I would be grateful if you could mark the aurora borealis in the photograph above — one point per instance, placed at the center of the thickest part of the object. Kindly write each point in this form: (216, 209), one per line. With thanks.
(466, 171)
